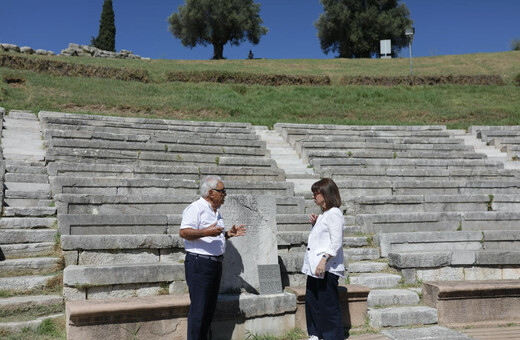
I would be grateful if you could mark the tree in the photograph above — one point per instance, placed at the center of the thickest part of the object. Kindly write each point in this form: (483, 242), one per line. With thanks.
(106, 39)
(217, 22)
(515, 45)
(353, 28)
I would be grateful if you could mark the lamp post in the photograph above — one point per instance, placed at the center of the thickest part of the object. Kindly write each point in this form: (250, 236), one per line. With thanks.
(409, 32)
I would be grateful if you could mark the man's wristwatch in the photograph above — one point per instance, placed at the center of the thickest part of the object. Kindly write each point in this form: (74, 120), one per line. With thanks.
(327, 258)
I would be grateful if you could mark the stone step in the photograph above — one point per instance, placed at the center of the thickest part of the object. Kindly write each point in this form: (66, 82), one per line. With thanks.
(27, 222)
(424, 203)
(26, 178)
(392, 297)
(403, 163)
(376, 280)
(367, 267)
(437, 259)
(27, 203)
(24, 283)
(12, 194)
(101, 275)
(32, 324)
(29, 211)
(30, 187)
(22, 114)
(432, 332)
(10, 236)
(24, 168)
(29, 266)
(193, 145)
(21, 154)
(402, 316)
(419, 174)
(12, 251)
(21, 304)
(179, 172)
(360, 254)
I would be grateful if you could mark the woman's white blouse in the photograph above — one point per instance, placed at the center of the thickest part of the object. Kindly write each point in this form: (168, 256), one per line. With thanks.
(326, 237)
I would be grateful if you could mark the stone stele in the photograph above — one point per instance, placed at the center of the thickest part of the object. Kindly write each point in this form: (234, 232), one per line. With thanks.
(258, 247)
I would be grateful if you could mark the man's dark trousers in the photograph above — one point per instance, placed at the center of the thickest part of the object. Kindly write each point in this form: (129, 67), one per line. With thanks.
(203, 279)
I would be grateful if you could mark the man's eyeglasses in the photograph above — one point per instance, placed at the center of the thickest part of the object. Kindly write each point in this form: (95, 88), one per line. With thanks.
(222, 191)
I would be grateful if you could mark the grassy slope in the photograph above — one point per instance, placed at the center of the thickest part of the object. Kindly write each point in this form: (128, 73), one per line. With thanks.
(455, 106)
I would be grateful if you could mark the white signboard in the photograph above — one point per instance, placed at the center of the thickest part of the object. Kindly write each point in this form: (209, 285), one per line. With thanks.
(386, 48)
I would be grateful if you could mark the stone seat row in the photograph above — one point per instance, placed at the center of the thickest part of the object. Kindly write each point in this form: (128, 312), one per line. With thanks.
(435, 221)
(166, 203)
(349, 189)
(439, 141)
(404, 163)
(227, 169)
(311, 156)
(305, 146)
(471, 240)
(488, 133)
(177, 186)
(148, 204)
(137, 157)
(425, 174)
(432, 203)
(84, 122)
(229, 140)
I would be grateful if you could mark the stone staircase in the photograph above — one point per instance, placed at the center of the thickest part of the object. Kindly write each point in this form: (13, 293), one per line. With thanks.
(389, 305)
(31, 264)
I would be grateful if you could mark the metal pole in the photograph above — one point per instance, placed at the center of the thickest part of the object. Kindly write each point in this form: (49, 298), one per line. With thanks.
(410, 49)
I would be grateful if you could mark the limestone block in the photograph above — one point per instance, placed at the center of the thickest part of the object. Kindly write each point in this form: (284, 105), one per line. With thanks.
(434, 332)
(70, 256)
(402, 316)
(178, 288)
(482, 273)
(74, 294)
(389, 297)
(498, 257)
(94, 275)
(473, 302)
(440, 274)
(419, 260)
(123, 291)
(463, 258)
(116, 257)
(510, 273)
(257, 247)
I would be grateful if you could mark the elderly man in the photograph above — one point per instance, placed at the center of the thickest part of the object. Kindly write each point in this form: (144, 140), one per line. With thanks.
(202, 229)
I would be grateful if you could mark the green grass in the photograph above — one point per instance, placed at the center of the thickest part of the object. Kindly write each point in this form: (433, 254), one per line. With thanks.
(453, 105)
(48, 330)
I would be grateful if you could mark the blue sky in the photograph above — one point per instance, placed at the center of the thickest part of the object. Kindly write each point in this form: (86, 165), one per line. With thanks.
(443, 27)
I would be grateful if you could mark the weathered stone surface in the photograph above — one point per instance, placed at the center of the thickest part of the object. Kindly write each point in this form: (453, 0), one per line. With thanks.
(258, 246)
(444, 274)
(93, 275)
(390, 297)
(419, 260)
(470, 302)
(434, 332)
(402, 316)
(376, 280)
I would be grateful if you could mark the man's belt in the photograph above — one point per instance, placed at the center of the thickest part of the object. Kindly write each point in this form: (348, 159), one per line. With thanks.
(218, 258)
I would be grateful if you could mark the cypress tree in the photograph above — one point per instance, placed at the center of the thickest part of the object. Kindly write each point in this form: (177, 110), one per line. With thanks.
(106, 39)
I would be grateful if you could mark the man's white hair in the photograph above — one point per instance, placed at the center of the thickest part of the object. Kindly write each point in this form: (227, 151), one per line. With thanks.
(208, 183)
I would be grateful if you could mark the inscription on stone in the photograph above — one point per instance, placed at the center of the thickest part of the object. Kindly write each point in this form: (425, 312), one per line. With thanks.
(269, 278)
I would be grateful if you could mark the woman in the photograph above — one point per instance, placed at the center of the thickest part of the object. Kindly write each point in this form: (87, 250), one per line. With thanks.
(323, 264)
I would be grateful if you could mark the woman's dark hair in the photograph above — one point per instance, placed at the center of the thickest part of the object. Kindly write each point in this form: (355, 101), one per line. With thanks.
(330, 192)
